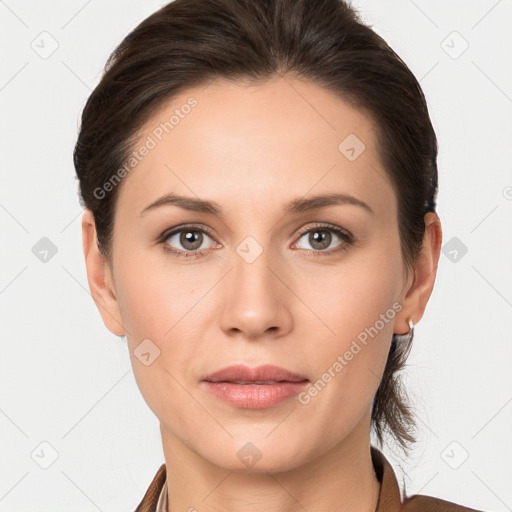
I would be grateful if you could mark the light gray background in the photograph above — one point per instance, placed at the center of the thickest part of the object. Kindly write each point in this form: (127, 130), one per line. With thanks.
(66, 381)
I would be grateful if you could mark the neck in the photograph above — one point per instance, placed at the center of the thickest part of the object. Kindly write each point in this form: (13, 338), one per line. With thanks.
(340, 480)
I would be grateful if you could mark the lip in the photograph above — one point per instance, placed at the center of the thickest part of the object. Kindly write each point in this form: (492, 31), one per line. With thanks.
(254, 388)
(264, 372)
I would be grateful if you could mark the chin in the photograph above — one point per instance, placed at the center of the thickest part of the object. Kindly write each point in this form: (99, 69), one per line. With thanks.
(258, 456)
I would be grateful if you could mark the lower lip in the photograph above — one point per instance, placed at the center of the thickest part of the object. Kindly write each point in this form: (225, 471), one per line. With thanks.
(255, 396)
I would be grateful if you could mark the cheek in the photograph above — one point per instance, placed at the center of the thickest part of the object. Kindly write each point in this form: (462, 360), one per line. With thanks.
(359, 303)
(154, 299)
(353, 297)
(160, 304)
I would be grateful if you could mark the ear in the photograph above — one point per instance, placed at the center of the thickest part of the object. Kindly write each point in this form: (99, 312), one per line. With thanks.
(100, 278)
(420, 283)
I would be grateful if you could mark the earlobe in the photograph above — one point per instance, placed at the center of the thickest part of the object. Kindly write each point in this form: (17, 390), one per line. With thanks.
(99, 277)
(421, 283)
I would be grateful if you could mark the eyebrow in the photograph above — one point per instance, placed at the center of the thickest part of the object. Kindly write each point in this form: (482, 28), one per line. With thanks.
(300, 205)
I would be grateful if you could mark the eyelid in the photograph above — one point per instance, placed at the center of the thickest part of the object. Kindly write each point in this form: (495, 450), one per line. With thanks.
(176, 229)
(326, 226)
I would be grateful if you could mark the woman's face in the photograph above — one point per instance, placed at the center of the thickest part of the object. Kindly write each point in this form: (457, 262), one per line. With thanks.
(264, 280)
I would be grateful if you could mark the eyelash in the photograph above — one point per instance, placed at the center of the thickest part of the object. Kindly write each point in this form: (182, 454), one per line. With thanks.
(347, 238)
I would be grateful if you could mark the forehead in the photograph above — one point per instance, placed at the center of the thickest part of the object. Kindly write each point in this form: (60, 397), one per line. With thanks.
(239, 142)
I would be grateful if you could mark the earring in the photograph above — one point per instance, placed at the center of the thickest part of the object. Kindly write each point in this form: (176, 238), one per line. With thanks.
(400, 338)
(411, 330)
(411, 327)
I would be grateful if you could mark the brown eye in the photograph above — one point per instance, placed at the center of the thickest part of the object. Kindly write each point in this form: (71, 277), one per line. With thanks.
(320, 239)
(187, 239)
(191, 239)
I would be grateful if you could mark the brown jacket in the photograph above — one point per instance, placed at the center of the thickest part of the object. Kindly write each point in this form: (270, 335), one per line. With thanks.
(389, 496)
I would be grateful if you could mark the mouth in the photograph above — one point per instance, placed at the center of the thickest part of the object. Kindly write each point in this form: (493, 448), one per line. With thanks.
(254, 388)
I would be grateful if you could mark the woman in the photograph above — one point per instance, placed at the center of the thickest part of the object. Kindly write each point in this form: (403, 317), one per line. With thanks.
(293, 150)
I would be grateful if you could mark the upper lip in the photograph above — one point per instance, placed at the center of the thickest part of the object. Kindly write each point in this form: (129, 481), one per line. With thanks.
(266, 373)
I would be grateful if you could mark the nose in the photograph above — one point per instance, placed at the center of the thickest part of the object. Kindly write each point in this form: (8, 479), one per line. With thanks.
(256, 299)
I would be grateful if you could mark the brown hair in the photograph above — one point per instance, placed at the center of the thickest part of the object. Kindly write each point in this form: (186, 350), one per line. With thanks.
(190, 42)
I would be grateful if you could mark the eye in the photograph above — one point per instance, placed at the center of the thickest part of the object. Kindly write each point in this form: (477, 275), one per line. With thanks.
(322, 236)
(186, 241)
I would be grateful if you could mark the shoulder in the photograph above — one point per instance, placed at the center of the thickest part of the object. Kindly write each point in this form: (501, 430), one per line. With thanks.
(421, 503)
(389, 497)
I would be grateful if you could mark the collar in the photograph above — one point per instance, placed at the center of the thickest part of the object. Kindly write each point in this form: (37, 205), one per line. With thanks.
(155, 499)
(389, 494)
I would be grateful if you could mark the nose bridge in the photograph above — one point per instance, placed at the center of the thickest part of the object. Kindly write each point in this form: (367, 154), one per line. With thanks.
(255, 299)
(252, 276)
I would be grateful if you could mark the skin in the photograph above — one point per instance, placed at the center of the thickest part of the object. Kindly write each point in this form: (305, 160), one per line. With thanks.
(252, 149)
